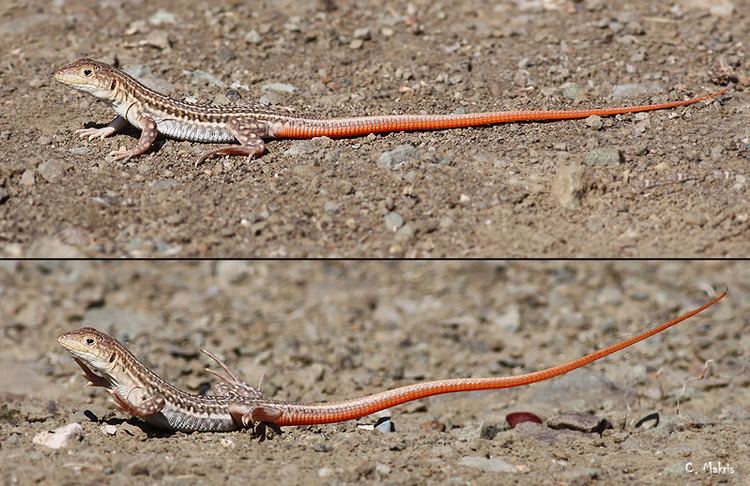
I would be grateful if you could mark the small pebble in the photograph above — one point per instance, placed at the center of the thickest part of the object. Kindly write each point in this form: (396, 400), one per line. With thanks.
(635, 90)
(279, 88)
(405, 233)
(567, 186)
(595, 122)
(158, 39)
(572, 92)
(162, 17)
(292, 25)
(50, 170)
(80, 150)
(27, 178)
(253, 37)
(108, 429)
(60, 437)
(393, 221)
(385, 425)
(394, 159)
(363, 33)
(202, 77)
(490, 465)
(604, 157)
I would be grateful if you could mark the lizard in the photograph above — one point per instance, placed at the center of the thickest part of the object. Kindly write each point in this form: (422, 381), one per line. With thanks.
(233, 404)
(250, 123)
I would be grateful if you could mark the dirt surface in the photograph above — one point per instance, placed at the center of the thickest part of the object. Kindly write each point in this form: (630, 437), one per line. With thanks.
(669, 183)
(326, 331)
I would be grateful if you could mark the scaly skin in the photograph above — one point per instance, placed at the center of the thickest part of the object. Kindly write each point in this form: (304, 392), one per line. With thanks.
(249, 123)
(234, 404)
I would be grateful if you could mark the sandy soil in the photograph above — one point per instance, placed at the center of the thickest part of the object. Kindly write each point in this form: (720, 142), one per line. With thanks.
(675, 184)
(327, 331)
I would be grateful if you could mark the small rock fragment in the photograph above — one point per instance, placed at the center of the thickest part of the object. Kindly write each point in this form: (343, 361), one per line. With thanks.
(509, 321)
(491, 465)
(253, 37)
(108, 429)
(635, 90)
(4, 195)
(722, 73)
(60, 437)
(363, 33)
(393, 221)
(279, 88)
(595, 122)
(27, 178)
(385, 425)
(572, 92)
(300, 147)
(604, 157)
(394, 159)
(50, 170)
(162, 17)
(158, 39)
(405, 233)
(567, 187)
(719, 8)
(202, 77)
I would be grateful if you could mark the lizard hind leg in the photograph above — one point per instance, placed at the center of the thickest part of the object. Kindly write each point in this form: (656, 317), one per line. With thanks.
(248, 134)
(256, 417)
(231, 384)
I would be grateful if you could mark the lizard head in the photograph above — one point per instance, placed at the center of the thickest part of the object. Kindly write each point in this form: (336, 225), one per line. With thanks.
(94, 77)
(94, 348)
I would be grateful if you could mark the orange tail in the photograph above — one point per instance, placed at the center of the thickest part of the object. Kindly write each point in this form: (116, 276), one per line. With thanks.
(352, 127)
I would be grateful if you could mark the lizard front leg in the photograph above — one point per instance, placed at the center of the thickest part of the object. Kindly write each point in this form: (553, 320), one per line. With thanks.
(148, 136)
(115, 126)
(94, 379)
(247, 132)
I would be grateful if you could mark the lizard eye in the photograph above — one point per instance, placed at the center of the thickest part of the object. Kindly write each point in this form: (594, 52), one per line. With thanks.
(87, 72)
(90, 341)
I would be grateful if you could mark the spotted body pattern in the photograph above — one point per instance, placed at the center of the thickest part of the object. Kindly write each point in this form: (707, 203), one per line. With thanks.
(250, 124)
(233, 404)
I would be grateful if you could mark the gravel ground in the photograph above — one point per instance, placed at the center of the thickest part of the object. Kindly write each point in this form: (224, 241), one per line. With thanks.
(332, 330)
(668, 183)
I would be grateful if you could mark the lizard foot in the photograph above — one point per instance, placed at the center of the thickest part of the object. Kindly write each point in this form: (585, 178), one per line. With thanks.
(93, 133)
(251, 152)
(122, 154)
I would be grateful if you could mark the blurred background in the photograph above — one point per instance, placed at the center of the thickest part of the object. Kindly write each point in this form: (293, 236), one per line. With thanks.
(322, 331)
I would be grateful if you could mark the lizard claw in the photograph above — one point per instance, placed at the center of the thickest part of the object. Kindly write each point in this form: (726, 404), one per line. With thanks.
(122, 154)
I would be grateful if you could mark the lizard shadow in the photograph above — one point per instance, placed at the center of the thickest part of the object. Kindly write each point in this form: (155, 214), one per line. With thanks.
(151, 432)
